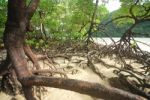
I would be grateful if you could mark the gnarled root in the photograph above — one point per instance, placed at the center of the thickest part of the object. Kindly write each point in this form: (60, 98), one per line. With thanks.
(31, 56)
(27, 79)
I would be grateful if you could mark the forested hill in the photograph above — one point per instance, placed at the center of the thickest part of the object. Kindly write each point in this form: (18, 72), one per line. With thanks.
(116, 30)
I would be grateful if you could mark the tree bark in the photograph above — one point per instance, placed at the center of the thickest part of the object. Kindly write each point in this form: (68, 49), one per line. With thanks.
(14, 38)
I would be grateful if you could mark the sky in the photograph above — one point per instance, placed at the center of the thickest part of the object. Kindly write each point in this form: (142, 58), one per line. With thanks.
(113, 5)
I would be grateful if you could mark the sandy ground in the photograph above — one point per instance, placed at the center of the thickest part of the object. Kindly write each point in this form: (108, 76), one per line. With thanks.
(82, 73)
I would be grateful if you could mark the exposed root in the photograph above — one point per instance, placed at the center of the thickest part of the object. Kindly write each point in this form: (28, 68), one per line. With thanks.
(94, 69)
(125, 48)
(50, 61)
(93, 56)
(31, 56)
(139, 82)
(84, 87)
(132, 87)
(10, 84)
(28, 92)
(51, 66)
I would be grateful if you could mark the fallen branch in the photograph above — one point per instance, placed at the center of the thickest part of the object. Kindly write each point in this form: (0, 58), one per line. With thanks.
(93, 89)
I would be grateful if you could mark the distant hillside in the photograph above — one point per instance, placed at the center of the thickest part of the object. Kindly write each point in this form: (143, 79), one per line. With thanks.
(141, 30)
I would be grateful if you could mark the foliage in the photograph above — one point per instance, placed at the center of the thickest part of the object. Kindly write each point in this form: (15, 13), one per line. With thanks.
(67, 19)
(70, 19)
(3, 16)
(129, 11)
(138, 10)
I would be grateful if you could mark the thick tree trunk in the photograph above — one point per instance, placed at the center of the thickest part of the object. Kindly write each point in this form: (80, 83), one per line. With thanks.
(18, 19)
(14, 38)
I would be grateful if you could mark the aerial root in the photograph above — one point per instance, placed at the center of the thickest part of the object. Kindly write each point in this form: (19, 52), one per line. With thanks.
(133, 88)
(31, 56)
(28, 92)
(139, 83)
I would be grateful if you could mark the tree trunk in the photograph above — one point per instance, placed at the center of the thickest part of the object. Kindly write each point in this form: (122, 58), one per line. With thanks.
(14, 39)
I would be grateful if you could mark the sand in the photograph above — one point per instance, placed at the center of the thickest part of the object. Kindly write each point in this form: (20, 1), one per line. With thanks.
(83, 73)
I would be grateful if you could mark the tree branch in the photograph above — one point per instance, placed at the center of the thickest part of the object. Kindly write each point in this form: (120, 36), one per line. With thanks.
(31, 9)
(131, 10)
(126, 16)
(93, 89)
(89, 33)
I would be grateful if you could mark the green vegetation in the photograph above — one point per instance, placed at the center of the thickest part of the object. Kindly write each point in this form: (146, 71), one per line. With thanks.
(70, 20)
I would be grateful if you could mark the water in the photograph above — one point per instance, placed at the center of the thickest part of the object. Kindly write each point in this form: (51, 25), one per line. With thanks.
(139, 40)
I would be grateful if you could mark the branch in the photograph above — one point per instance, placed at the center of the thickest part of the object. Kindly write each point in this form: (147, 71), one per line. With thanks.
(83, 26)
(126, 16)
(93, 89)
(89, 33)
(131, 10)
(31, 8)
